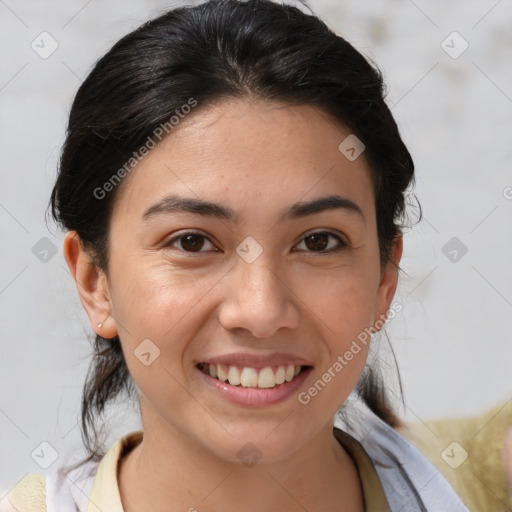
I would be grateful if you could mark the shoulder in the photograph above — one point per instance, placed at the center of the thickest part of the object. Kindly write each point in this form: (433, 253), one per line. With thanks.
(410, 480)
(70, 485)
(29, 495)
(468, 452)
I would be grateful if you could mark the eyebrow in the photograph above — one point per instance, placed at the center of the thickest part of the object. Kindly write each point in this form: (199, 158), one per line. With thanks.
(176, 204)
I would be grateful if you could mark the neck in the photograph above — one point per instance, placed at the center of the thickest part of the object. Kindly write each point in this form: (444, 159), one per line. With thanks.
(180, 475)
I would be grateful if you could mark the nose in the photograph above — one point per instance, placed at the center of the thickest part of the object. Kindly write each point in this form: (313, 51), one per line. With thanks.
(258, 299)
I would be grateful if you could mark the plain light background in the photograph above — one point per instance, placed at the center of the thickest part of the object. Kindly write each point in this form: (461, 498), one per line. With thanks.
(452, 338)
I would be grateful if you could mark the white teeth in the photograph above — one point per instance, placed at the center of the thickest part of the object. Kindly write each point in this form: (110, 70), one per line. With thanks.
(280, 374)
(252, 378)
(234, 376)
(289, 372)
(221, 374)
(249, 378)
(266, 378)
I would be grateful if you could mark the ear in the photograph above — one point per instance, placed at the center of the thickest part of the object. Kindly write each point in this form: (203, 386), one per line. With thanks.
(92, 286)
(389, 281)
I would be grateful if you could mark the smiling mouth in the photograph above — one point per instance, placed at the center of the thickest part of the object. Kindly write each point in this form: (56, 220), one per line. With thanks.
(247, 377)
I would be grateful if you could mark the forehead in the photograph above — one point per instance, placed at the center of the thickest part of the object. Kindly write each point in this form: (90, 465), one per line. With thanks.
(246, 153)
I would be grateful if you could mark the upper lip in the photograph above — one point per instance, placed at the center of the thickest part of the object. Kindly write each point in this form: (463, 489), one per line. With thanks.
(256, 360)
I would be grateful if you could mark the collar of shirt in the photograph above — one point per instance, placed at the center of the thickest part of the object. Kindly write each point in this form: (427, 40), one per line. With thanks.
(105, 491)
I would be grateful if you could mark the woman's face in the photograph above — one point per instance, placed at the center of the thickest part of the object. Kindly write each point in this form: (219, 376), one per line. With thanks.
(254, 284)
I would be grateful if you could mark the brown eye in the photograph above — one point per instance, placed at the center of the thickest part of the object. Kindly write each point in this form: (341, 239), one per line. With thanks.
(319, 242)
(190, 242)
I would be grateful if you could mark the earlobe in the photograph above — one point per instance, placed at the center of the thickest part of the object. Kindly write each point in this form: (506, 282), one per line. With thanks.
(91, 284)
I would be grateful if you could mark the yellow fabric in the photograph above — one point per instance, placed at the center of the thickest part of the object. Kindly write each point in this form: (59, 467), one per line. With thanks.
(374, 496)
(105, 492)
(29, 494)
(479, 479)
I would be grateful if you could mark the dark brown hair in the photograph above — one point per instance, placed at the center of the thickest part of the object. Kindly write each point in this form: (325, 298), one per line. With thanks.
(212, 51)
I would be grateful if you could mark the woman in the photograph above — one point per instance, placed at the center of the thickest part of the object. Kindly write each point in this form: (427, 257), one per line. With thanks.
(232, 185)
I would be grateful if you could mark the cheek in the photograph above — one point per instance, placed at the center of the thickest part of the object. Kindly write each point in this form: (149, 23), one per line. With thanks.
(342, 306)
(158, 304)
(155, 297)
(342, 309)
(341, 301)
(157, 312)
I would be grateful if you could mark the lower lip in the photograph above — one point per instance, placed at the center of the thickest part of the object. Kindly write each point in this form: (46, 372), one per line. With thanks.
(256, 396)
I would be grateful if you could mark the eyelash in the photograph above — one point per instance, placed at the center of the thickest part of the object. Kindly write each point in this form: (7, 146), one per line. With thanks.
(341, 243)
